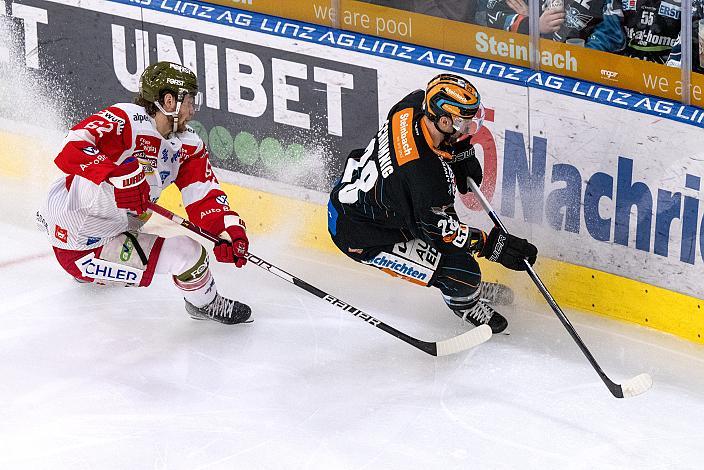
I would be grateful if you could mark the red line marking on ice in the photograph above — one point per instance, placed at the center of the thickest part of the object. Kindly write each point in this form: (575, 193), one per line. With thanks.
(24, 259)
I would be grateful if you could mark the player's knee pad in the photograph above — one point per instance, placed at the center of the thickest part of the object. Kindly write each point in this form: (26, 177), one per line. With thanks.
(190, 267)
(128, 259)
(179, 254)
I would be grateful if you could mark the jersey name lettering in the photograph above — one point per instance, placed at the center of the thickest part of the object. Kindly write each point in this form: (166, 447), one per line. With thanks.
(384, 155)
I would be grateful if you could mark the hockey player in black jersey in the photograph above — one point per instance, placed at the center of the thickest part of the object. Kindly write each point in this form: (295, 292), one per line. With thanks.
(393, 207)
(652, 28)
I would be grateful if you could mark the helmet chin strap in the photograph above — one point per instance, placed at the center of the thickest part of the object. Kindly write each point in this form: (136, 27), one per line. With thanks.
(173, 114)
(447, 135)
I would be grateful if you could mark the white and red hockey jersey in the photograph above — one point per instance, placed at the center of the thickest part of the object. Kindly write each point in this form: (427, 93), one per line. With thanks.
(80, 211)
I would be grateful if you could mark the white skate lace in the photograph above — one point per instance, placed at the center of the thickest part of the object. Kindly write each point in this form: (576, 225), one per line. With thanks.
(489, 291)
(220, 307)
(480, 312)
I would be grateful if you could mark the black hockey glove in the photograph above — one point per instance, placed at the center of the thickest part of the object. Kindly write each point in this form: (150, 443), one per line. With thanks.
(508, 250)
(468, 168)
(465, 165)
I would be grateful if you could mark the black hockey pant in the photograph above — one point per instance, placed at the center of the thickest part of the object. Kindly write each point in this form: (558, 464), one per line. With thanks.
(457, 275)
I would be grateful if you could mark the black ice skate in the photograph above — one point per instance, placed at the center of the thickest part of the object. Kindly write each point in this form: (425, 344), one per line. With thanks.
(483, 314)
(222, 310)
(494, 293)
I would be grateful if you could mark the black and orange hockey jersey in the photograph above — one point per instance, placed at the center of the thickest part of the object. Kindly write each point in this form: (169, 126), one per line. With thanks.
(397, 189)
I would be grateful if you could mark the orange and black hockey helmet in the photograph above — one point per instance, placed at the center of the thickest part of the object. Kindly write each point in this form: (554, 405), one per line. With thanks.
(453, 96)
(449, 94)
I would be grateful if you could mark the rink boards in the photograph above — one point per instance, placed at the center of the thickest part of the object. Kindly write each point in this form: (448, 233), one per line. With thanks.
(606, 183)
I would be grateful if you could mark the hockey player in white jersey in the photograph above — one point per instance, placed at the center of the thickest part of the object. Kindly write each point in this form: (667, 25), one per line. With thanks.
(116, 161)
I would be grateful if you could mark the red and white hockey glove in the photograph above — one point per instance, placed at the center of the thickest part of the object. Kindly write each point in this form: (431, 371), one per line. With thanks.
(233, 244)
(131, 187)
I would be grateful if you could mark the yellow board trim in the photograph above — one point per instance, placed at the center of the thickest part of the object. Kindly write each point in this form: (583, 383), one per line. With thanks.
(13, 156)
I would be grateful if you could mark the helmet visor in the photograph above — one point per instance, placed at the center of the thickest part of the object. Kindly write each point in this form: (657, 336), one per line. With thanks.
(195, 100)
(469, 125)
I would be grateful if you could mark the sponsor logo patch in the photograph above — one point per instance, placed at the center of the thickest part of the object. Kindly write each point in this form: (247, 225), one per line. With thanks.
(42, 224)
(454, 232)
(92, 151)
(498, 247)
(180, 68)
(98, 159)
(629, 4)
(126, 252)
(609, 75)
(92, 241)
(149, 144)
(199, 270)
(669, 10)
(140, 118)
(61, 234)
(96, 268)
(404, 142)
(210, 211)
(148, 163)
(418, 251)
(113, 118)
(401, 267)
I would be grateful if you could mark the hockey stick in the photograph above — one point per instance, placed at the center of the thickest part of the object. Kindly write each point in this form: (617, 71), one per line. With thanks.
(459, 343)
(630, 388)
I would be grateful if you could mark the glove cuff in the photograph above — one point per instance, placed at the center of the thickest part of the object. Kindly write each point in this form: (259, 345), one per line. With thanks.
(129, 180)
(232, 219)
(463, 155)
(219, 224)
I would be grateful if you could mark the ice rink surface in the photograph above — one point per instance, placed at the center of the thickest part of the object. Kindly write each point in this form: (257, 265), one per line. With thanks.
(116, 378)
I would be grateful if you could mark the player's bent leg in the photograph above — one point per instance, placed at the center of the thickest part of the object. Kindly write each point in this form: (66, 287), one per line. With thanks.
(459, 278)
(187, 261)
(125, 260)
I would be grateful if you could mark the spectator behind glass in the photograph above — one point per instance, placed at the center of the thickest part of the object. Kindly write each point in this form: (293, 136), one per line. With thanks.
(652, 28)
(598, 23)
(675, 58)
(456, 10)
(512, 15)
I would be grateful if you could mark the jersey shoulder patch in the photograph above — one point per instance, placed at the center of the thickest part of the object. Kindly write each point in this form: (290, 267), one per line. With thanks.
(139, 119)
(405, 147)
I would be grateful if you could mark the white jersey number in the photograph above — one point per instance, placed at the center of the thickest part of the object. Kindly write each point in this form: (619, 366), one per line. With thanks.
(365, 179)
(101, 127)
